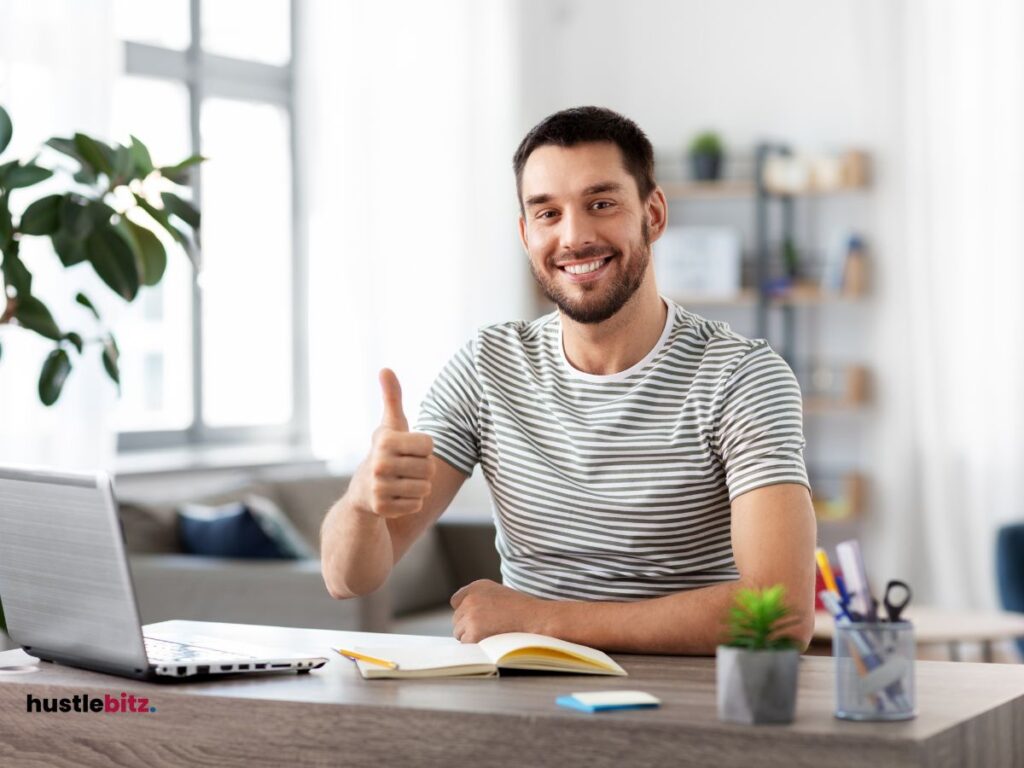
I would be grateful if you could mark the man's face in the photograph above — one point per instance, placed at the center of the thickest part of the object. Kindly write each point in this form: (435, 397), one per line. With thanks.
(585, 229)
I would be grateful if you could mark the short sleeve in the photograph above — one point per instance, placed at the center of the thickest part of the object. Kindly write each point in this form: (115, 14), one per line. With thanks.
(450, 412)
(760, 437)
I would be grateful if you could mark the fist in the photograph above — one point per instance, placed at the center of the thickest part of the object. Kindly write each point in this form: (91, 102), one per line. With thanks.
(399, 469)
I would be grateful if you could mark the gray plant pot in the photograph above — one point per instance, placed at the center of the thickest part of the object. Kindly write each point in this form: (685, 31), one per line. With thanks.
(756, 686)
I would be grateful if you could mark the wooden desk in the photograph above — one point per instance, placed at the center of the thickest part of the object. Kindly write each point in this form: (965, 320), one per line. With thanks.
(936, 626)
(970, 715)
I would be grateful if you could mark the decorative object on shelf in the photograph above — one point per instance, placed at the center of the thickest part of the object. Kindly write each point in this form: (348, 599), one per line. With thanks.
(804, 173)
(845, 267)
(835, 385)
(756, 670)
(700, 262)
(107, 218)
(706, 151)
(838, 497)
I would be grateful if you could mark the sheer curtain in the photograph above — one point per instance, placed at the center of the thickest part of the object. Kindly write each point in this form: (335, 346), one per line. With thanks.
(408, 128)
(952, 448)
(58, 60)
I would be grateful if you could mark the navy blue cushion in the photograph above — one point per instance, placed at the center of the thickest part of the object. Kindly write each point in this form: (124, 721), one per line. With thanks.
(227, 531)
(1010, 569)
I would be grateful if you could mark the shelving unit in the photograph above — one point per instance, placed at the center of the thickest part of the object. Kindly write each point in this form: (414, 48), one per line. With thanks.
(845, 492)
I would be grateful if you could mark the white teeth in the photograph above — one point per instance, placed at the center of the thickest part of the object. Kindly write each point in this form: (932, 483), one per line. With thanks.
(582, 269)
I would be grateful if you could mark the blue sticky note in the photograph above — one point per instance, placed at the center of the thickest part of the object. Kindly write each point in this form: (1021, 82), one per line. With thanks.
(602, 701)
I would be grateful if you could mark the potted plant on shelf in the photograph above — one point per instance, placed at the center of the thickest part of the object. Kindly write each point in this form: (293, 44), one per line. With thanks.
(107, 216)
(756, 668)
(706, 156)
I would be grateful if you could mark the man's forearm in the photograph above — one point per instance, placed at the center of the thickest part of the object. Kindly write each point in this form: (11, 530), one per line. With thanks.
(687, 623)
(356, 549)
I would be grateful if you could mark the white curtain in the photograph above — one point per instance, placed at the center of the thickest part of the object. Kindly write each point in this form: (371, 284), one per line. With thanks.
(951, 450)
(58, 59)
(408, 128)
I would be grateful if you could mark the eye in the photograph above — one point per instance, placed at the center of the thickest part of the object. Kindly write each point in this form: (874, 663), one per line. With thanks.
(547, 213)
(602, 204)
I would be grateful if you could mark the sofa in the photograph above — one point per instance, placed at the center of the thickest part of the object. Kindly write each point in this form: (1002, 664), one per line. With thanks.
(170, 584)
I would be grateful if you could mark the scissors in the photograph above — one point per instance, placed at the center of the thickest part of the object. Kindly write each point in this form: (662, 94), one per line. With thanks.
(897, 596)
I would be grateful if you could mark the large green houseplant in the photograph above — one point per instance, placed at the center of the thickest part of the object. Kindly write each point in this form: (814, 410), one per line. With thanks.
(105, 217)
(111, 205)
(756, 668)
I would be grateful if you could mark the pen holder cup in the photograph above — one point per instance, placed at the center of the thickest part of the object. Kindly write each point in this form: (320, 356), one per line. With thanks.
(875, 671)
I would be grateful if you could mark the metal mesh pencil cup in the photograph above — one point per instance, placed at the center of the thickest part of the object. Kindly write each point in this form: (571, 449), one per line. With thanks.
(874, 665)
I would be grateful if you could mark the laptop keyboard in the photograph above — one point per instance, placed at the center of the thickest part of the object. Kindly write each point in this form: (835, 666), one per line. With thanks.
(165, 650)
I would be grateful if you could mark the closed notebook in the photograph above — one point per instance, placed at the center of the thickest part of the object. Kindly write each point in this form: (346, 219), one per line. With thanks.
(512, 650)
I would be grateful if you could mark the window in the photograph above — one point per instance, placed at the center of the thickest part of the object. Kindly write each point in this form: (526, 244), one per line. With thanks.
(216, 356)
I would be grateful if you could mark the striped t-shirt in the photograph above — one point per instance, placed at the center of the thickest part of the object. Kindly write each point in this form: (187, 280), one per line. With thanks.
(617, 487)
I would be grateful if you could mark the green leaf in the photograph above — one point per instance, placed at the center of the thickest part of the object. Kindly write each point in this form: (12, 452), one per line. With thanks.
(54, 374)
(161, 218)
(148, 250)
(16, 274)
(82, 299)
(183, 209)
(96, 155)
(6, 224)
(25, 176)
(6, 129)
(111, 356)
(33, 315)
(114, 262)
(179, 173)
(75, 340)
(69, 250)
(123, 163)
(65, 146)
(42, 217)
(141, 157)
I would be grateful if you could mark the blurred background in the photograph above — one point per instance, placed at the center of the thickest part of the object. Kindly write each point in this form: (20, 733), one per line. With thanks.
(844, 178)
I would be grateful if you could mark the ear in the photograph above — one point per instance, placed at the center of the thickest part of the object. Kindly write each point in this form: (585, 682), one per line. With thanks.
(656, 211)
(522, 234)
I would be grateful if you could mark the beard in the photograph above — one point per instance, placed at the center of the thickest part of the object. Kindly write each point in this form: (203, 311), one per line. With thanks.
(600, 302)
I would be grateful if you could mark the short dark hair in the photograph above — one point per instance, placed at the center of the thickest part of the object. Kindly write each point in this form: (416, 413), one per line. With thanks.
(582, 125)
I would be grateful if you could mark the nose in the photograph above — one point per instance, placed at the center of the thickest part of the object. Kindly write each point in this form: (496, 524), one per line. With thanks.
(577, 231)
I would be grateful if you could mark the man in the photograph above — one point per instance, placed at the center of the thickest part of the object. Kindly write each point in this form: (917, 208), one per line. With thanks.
(645, 463)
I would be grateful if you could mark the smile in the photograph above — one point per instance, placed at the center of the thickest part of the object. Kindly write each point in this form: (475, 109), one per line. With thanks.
(585, 271)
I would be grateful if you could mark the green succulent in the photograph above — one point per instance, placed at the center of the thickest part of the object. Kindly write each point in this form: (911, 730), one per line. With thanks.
(707, 143)
(756, 619)
(107, 217)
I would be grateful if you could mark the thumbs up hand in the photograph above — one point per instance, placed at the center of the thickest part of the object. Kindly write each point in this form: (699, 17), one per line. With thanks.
(396, 476)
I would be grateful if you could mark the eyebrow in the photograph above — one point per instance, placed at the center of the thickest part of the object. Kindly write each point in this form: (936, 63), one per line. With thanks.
(593, 189)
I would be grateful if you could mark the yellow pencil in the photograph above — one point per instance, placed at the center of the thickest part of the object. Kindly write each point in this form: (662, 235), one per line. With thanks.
(363, 657)
(826, 571)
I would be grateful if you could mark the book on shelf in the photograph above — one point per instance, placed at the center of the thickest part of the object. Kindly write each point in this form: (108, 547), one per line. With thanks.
(511, 650)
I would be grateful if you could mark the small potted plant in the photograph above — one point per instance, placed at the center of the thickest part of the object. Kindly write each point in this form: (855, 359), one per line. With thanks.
(756, 668)
(706, 156)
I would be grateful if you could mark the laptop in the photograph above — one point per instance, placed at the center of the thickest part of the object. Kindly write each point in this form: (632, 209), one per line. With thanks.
(67, 589)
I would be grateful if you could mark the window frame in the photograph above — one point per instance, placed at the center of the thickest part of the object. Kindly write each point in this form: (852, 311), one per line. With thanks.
(211, 75)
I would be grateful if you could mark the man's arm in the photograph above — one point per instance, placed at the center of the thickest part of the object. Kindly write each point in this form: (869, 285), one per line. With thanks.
(395, 495)
(773, 539)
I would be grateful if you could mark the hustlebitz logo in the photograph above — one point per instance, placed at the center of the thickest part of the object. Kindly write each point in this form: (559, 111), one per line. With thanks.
(109, 704)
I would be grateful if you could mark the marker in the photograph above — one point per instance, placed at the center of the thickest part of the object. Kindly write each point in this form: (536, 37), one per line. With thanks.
(826, 570)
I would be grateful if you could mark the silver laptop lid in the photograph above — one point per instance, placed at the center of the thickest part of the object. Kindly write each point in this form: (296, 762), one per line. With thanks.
(64, 578)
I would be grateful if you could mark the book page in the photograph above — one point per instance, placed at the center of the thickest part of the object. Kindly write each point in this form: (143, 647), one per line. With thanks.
(449, 656)
(526, 650)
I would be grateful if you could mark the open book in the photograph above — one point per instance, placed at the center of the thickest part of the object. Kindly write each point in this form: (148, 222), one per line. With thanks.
(512, 650)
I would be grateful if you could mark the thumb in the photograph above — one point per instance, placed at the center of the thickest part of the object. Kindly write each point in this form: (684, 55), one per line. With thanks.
(394, 416)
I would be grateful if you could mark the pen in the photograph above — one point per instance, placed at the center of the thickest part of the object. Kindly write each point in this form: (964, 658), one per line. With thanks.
(369, 659)
(852, 563)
